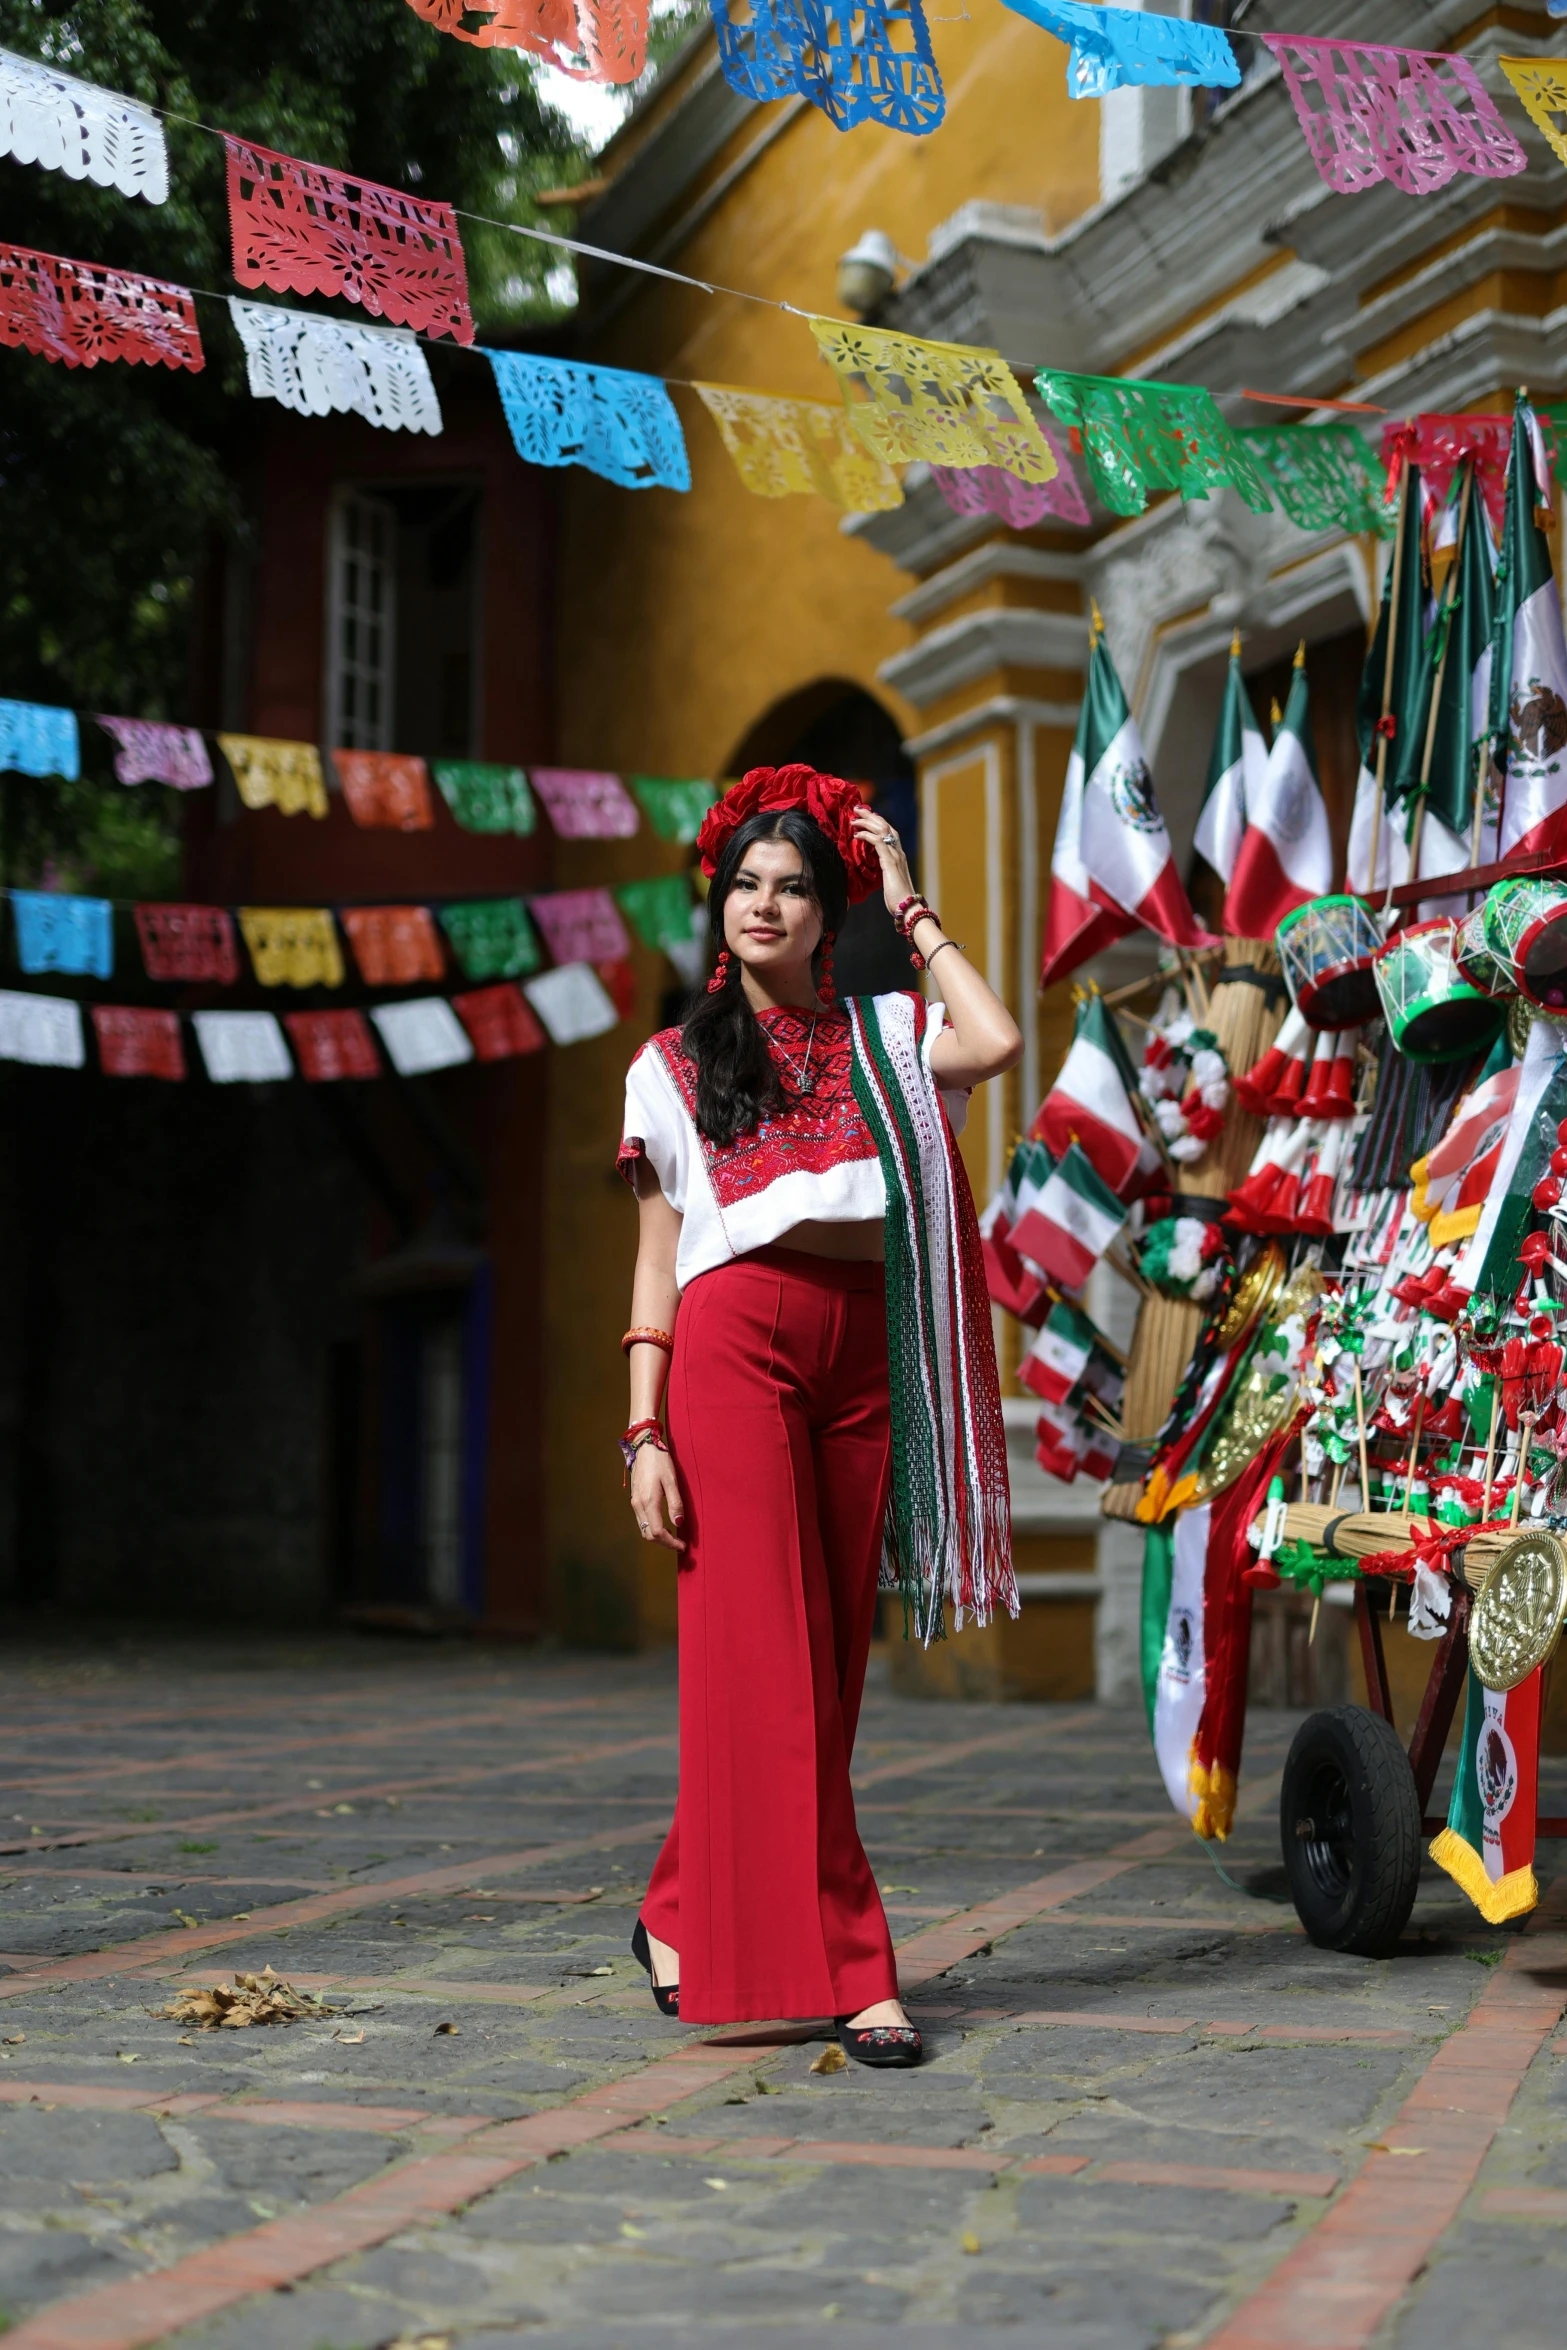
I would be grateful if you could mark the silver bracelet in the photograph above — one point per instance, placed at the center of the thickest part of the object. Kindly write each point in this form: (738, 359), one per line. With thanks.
(935, 950)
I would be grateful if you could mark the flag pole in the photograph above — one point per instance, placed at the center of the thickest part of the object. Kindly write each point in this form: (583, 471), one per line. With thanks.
(1387, 686)
(1449, 599)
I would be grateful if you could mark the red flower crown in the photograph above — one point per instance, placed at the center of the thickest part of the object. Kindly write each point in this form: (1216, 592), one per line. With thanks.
(826, 799)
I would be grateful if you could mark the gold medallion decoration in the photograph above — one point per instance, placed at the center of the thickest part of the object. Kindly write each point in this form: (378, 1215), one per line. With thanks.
(1255, 1292)
(1261, 1407)
(1514, 1623)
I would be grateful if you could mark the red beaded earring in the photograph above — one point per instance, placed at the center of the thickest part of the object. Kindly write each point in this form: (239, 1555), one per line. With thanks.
(720, 978)
(824, 986)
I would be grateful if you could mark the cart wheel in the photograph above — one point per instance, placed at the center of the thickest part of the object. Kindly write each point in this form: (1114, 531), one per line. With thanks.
(1350, 1820)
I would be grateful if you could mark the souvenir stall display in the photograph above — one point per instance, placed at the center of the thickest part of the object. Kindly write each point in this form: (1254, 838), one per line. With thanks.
(1352, 1190)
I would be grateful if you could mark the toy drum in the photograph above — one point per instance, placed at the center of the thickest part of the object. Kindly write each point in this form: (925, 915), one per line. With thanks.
(1473, 958)
(1526, 930)
(1433, 1011)
(1326, 950)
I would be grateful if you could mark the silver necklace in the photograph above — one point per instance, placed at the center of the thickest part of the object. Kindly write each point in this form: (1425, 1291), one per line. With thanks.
(801, 1079)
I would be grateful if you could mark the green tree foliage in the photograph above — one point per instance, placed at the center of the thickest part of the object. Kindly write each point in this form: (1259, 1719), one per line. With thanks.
(116, 481)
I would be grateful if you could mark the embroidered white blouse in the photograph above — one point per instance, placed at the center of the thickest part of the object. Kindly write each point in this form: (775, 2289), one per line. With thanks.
(812, 1162)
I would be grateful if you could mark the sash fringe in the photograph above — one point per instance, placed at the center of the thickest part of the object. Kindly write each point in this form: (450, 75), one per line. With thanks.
(947, 1541)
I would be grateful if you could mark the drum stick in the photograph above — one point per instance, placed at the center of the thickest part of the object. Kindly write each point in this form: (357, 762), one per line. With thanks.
(1360, 1429)
(1490, 1449)
(1449, 599)
(1414, 1450)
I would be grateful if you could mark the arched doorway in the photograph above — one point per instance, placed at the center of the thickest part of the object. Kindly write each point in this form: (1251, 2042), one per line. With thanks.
(836, 726)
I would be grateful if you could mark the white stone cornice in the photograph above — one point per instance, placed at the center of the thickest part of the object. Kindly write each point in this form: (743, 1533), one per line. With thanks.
(1258, 307)
(996, 710)
(980, 642)
(997, 559)
(1484, 353)
(1488, 249)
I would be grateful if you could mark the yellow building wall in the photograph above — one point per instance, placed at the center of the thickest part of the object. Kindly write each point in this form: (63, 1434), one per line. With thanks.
(683, 619)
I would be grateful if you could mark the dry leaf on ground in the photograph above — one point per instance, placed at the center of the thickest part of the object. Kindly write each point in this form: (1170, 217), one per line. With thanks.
(831, 2060)
(250, 1999)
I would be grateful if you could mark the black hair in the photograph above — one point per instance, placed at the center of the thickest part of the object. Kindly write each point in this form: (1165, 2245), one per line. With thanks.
(736, 1078)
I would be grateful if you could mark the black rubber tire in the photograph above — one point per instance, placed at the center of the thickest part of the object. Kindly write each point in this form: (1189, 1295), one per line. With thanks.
(1349, 1818)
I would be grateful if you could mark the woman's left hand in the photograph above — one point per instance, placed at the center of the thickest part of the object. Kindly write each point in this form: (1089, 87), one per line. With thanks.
(897, 880)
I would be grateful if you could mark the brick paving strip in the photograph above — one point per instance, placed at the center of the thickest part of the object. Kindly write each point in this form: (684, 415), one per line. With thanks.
(183, 1942)
(318, 1801)
(1344, 2277)
(1204, 2176)
(379, 1733)
(418, 2121)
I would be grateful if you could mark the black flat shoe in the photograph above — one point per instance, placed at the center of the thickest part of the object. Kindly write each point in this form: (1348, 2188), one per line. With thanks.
(666, 1996)
(879, 2044)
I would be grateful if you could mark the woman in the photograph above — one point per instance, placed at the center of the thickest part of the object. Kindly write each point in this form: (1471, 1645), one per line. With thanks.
(801, 1201)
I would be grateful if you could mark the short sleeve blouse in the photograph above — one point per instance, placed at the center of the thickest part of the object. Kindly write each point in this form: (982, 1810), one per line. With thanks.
(813, 1161)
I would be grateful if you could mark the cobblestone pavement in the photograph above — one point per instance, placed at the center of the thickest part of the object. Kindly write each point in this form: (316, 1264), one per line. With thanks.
(1151, 2113)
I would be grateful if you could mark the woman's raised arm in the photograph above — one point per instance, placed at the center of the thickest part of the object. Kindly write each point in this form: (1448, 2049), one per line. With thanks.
(981, 1038)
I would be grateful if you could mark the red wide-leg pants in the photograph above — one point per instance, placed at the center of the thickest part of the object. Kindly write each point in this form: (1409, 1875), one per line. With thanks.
(778, 1424)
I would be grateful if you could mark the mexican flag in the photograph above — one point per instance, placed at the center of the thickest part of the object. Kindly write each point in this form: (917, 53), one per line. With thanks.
(1112, 869)
(1456, 667)
(1196, 1640)
(1092, 1099)
(1489, 1262)
(1286, 855)
(1235, 773)
(1067, 1224)
(1063, 1348)
(1067, 1441)
(1527, 717)
(1487, 1847)
(1400, 703)
(1014, 1286)
(1453, 1182)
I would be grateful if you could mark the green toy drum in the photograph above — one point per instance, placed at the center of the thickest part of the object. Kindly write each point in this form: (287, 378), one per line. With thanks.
(1326, 949)
(1526, 930)
(1433, 1011)
(1474, 959)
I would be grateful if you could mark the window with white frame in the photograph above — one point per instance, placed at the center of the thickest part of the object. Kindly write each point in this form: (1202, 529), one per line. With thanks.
(361, 622)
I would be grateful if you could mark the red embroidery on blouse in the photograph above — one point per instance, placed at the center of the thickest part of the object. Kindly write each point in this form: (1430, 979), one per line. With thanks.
(810, 1135)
